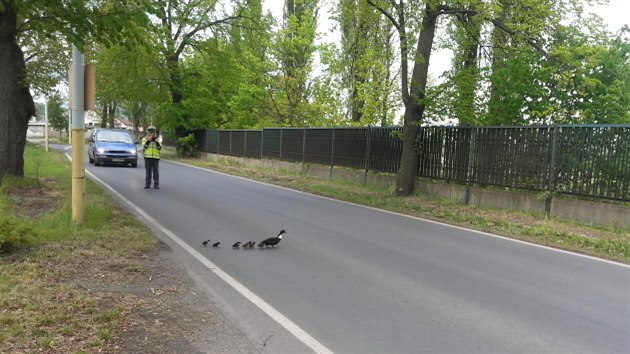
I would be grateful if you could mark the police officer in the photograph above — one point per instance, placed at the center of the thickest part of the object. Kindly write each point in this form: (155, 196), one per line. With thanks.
(152, 149)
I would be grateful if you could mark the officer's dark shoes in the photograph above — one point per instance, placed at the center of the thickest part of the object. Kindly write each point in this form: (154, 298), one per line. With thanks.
(156, 187)
(147, 187)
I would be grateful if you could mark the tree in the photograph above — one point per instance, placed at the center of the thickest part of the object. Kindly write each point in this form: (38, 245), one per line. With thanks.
(366, 63)
(129, 81)
(466, 76)
(46, 61)
(250, 42)
(16, 102)
(57, 115)
(224, 78)
(593, 85)
(414, 92)
(294, 49)
(74, 21)
(210, 79)
(518, 22)
(182, 24)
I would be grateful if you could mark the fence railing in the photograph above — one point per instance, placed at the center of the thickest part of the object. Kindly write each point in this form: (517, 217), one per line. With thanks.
(586, 160)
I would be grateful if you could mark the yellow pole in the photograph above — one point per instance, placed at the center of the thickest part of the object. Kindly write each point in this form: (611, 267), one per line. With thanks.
(78, 176)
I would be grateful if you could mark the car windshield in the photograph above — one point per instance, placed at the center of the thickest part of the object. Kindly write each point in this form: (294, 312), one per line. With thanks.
(114, 137)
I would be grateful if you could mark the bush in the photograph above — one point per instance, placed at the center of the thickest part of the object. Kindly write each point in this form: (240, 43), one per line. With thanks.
(12, 235)
(187, 146)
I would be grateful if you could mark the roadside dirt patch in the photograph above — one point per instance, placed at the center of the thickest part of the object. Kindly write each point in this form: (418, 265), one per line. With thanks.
(33, 202)
(162, 311)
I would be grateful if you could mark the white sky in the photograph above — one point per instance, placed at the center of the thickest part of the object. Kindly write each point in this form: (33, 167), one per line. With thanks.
(616, 13)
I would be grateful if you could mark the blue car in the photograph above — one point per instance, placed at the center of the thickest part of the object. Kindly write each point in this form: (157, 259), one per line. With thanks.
(113, 147)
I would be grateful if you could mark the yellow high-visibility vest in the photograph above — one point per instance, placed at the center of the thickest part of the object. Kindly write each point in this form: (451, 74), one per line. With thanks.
(152, 149)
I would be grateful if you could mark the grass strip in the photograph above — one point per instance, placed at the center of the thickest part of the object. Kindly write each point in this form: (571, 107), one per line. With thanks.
(52, 296)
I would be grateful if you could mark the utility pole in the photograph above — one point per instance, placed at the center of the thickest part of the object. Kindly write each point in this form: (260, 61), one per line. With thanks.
(78, 131)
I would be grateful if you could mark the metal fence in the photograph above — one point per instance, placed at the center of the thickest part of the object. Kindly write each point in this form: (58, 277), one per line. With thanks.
(585, 160)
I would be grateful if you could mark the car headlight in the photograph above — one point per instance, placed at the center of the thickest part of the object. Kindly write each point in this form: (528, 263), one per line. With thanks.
(133, 151)
(100, 150)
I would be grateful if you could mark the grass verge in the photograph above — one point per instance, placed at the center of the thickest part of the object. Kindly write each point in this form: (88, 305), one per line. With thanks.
(49, 279)
(599, 242)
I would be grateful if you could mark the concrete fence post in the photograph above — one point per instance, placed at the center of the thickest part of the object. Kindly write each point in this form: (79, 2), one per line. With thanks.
(469, 165)
(281, 134)
(303, 145)
(262, 141)
(245, 145)
(218, 138)
(367, 154)
(551, 181)
(332, 154)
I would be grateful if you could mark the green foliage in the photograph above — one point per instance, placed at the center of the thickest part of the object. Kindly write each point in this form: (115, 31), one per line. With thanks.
(540, 63)
(126, 78)
(80, 22)
(47, 60)
(57, 115)
(365, 64)
(46, 29)
(13, 234)
(187, 146)
(238, 73)
(294, 48)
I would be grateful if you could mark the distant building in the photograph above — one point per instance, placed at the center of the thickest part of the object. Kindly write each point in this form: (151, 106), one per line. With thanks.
(123, 124)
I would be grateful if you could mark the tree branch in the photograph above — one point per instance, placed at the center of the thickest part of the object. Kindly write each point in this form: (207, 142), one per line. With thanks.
(447, 10)
(531, 41)
(30, 57)
(186, 39)
(386, 13)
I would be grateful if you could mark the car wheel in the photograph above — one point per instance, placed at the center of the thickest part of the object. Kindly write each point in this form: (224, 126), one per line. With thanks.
(134, 164)
(90, 159)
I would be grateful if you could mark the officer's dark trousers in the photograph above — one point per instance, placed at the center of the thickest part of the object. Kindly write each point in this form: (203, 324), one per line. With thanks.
(151, 167)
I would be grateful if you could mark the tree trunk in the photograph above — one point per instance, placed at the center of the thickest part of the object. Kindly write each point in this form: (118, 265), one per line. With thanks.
(16, 102)
(467, 72)
(359, 70)
(500, 43)
(415, 104)
(357, 102)
(104, 117)
(112, 115)
(139, 110)
(175, 86)
(387, 80)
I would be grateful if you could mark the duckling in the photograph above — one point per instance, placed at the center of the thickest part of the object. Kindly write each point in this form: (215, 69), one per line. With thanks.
(237, 245)
(205, 243)
(252, 244)
(216, 245)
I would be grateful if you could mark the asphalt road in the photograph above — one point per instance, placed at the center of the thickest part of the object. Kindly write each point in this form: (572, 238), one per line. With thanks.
(361, 280)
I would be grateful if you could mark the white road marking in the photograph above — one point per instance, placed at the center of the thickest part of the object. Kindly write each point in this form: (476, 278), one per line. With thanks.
(282, 320)
(410, 216)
